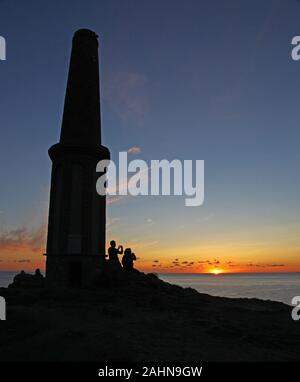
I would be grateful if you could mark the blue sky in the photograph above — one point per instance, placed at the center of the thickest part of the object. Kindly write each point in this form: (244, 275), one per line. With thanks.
(189, 79)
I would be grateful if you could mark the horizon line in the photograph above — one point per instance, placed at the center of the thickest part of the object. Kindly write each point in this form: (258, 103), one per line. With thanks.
(178, 273)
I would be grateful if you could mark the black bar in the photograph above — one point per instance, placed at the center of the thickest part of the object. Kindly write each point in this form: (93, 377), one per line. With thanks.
(92, 371)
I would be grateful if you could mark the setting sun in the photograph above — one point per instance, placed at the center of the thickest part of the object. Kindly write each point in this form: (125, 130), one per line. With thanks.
(216, 271)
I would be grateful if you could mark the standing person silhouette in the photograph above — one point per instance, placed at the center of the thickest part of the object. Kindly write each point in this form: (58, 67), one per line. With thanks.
(113, 253)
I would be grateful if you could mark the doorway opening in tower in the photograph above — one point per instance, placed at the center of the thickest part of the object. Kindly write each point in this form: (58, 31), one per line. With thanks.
(75, 274)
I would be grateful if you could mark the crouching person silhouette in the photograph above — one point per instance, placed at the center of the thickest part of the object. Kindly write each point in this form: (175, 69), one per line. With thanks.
(127, 260)
(113, 254)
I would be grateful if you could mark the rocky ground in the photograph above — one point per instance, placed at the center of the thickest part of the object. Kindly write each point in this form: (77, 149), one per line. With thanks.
(141, 318)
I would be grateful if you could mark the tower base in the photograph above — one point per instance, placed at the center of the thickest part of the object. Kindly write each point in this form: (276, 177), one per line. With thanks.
(73, 270)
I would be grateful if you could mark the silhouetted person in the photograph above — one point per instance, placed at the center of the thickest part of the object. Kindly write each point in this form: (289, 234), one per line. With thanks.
(19, 278)
(37, 273)
(128, 259)
(113, 254)
(27, 280)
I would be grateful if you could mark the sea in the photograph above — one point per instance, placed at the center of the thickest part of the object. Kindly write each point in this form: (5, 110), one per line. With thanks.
(6, 278)
(265, 286)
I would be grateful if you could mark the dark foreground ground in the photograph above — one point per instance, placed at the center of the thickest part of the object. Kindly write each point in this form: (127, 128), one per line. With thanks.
(141, 318)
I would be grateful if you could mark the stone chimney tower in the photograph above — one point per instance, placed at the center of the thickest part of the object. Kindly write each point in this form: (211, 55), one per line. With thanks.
(77, 216)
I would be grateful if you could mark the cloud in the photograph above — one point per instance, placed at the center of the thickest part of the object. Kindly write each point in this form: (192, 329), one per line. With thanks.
(114, 199)
(276, 265)
(226, 104)
(157, 266)
(134, 150)
(112, 221)
(23, 239)
(145, 244)
(126, 93)
(265, 265)
(206, 218)
(149, 222)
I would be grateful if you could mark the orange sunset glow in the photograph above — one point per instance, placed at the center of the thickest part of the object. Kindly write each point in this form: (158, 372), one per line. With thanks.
(23, 249)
